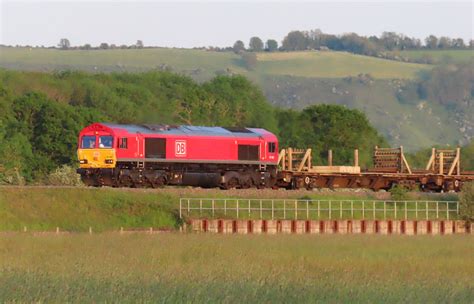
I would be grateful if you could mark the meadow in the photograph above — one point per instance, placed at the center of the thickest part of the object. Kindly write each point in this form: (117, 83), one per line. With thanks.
(201, 268)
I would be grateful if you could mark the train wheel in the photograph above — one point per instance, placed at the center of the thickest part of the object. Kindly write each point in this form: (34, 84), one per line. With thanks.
(232, 183)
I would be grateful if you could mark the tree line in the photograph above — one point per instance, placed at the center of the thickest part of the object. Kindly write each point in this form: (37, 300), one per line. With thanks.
(41, 115)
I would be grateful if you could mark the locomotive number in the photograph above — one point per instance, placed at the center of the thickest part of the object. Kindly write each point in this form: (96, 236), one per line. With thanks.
(180, 148)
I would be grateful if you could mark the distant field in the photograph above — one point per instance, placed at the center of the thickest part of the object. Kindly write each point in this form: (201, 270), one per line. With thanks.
(201, 268)
(440, 55)
(204, 64)
(333, 65)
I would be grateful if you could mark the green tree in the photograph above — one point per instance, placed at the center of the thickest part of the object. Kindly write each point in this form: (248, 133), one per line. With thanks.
(295, 41)
(256, 44)
(271, 45)
(238, 46)
(64, 44)
(325, 127)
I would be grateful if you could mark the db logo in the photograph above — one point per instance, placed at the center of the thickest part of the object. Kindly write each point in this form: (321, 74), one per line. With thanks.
(180, 148)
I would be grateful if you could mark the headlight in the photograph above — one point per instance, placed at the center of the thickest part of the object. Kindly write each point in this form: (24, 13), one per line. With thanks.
(83, 161)
(109, 161)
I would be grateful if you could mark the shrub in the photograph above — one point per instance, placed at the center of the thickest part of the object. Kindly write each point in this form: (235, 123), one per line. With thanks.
(399, 193)
(64, 176)
(466, 202)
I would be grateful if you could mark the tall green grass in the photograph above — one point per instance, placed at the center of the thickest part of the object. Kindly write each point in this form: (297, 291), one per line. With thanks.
(229, 269)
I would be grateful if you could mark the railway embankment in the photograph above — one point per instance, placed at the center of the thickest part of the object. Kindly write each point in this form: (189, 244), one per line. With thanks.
(77, 209)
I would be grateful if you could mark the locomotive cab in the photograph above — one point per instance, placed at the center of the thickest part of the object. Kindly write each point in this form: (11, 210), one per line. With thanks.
(96, 150)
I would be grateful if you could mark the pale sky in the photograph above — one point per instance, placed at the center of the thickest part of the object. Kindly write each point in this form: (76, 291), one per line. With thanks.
(221, 23)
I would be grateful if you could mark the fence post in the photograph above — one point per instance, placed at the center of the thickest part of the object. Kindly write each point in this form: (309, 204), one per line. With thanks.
(200, 207)
(416, 210)
(395, 209)
(363, 210)
(447, 210)
(373, 210)
(273, 209)
(225, 207)
(330, 211)
(437, 210)
(340, 209)
(319, 210)
(188, 206)
(296, 209)
(284, 209)
(261, 209)
(457, 206)
(237, 209)
(307, 209)
(384, 210)
(427, 210)
(352, 209)
(249, 208)
(212, 208)
(406, 214)
(180, 206)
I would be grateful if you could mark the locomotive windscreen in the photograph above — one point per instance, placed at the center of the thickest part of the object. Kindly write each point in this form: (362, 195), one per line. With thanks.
(248, 152)
(155, 147)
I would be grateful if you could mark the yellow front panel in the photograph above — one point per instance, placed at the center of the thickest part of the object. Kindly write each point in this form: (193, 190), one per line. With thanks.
(96, 158)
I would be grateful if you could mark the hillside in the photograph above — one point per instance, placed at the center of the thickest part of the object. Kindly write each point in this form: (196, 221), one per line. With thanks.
(294, 80)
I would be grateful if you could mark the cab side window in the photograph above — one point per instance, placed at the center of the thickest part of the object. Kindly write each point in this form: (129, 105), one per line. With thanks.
(123, 143)
(271, 147)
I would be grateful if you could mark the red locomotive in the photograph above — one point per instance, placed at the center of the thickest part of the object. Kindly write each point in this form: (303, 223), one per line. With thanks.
(156, 155)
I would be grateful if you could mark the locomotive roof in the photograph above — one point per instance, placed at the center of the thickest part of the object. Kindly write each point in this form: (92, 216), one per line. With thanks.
(190, 130)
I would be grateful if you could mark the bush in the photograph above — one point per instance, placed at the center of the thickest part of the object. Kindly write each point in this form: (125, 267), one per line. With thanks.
(466, 202)
(399, 193)
(64, 176)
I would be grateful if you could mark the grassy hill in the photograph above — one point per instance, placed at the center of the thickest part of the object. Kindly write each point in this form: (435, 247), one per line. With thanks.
(288, 79)
(204, 64)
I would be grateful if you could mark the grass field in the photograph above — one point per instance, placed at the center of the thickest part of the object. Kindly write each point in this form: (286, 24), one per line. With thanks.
(204, 64)
(107, 209)
(439, 56)
(333, 65)
(201, 268)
